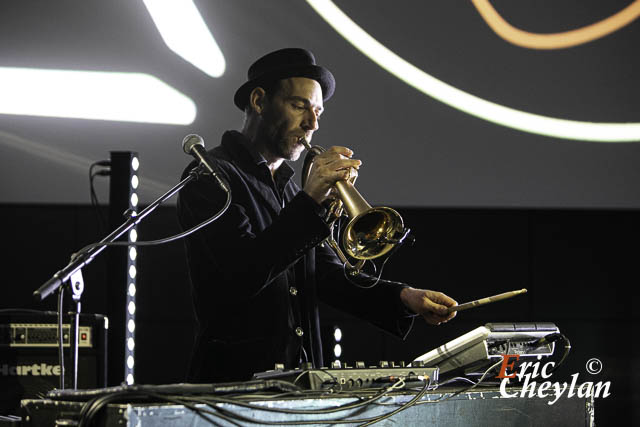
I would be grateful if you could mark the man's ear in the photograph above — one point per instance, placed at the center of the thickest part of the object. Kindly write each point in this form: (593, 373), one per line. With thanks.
(257, 99)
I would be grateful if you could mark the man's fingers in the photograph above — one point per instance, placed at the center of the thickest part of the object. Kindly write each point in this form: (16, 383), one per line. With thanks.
(434, 307)
(447, 300)
(441, 298)
(348, 164)
(339, 170)
(341, 150)
(341, 162)
(435, 319)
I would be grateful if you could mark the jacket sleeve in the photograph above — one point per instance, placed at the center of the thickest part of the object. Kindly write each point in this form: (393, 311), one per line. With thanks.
(377, 303)
(235, 249)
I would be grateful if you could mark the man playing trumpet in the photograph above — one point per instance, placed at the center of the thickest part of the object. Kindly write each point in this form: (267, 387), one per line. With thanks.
(258, 272)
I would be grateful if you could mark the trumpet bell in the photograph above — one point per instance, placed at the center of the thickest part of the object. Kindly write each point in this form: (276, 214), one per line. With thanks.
(372, 233)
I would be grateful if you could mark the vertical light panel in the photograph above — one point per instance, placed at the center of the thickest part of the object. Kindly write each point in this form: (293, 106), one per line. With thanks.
(122, 268)
(337, 343)
(132, 255)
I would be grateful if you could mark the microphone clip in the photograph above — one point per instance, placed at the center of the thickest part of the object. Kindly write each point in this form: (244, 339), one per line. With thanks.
(199, 171)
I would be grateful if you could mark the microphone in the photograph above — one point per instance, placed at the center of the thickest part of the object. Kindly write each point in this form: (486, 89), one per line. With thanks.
(194, 146)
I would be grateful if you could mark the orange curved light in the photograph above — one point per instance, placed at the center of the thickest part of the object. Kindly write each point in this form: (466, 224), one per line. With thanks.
(464, 101)
(555, 40)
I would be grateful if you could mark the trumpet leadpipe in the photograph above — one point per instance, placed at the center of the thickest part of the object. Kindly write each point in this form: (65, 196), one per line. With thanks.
(302, 140)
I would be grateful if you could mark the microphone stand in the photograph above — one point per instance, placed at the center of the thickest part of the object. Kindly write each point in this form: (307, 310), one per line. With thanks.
(73, 270)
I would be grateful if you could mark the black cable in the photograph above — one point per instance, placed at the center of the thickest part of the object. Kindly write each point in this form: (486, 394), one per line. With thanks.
(567, 349)
(407, 405)
(346, 406)
(373, 420)
(454, 379)
(95, 203)
(375, 282)
(92, 408)
(555, 337)
(307, 372)
(201, 412)
(387, 258)
(310, 411)
(465, 390)
(94, 197)
(166, 239)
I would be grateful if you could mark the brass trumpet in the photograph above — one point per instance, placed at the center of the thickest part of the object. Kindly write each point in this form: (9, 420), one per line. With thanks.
(371, 231)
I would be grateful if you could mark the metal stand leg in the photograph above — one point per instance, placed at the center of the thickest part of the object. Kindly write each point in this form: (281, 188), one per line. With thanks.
(77, 286)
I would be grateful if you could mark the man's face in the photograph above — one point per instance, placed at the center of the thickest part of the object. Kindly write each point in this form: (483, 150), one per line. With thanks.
(290, 113)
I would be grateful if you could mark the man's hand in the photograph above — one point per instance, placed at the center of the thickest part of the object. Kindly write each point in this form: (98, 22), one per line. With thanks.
(431, 305)
(333, 165)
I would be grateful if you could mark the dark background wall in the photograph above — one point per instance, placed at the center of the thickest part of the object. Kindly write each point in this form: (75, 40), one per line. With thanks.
(579, 267)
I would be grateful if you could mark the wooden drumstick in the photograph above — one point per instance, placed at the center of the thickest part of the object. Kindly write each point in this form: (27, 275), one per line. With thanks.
(484, 301)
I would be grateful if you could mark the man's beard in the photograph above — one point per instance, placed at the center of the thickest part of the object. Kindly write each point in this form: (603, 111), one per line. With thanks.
(289, 150)
(283, 145)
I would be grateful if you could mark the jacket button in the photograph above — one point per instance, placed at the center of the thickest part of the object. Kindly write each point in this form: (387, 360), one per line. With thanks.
(299, 331)
(293, 291)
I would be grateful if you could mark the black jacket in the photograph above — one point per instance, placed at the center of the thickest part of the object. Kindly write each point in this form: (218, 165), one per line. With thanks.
(257, 272)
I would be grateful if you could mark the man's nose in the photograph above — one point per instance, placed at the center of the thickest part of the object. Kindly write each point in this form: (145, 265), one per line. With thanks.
(311, 121)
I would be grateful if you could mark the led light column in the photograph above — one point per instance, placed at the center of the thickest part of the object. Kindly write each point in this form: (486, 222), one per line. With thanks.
(337, 339)
(123, 201)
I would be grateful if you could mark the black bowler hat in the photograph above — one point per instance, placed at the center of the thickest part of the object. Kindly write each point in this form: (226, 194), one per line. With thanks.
(282, 64)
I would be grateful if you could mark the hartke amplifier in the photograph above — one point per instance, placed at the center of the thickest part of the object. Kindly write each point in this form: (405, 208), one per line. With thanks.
(29, 363)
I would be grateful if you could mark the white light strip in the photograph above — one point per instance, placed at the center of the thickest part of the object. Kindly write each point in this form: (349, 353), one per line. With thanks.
(470, 104)
(185, 32)
(127, 97)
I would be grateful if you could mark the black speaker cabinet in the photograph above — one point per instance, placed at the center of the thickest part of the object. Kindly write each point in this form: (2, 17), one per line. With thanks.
(29, 361)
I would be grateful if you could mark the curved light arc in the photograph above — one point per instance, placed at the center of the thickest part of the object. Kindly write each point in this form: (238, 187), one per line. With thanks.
(561, 40)
(463, 101)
